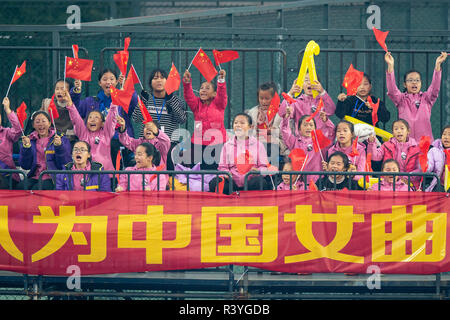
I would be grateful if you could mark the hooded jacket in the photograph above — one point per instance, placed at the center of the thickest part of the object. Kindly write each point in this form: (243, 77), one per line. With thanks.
(436, 162)
(150, 180)
(359, 161)
(8, 136)
(93, 182)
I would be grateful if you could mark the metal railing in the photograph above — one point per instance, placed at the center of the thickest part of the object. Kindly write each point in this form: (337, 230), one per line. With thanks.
(172, 176)
(304, 177)
(9, 173)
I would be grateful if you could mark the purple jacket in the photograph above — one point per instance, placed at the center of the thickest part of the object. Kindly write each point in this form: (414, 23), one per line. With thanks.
(307, 105)
(161, 143)
(55, 157)
(418, 118)
(358, 161)
(100, 141)
(150, 180)
(436, 162)
(234, 148)
(8, 136)
(94, 182)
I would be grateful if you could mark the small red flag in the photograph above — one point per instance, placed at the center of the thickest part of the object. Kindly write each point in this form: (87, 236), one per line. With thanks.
(318, 108)
(225, 56)
(202, 62)
(244, 162)
(121, 57)
(368, 165)
(288, 98)
(19, 71)
(355, 151)
(173, 80)
(298, 158)
(375, 107)
(221, 184)
(21, 113)
(121, 98)
(273, 108)
(312, 186)
(145, 114)
(381, 37)
(75, 50)
(424, 146)
(319, 140)
(80, 69)
(352, 80)
(447, 157)
(118, 160)
(52, 111)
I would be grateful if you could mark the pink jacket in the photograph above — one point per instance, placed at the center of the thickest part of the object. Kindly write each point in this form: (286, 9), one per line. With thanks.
(100, 141)
(314, 161)
(161, 143)
(8, 136)
(234, 148)
(418, 118)
(149, 180)
(385, 186)
(304, 105)
(286, 186)
(207, 116)
(358, 161)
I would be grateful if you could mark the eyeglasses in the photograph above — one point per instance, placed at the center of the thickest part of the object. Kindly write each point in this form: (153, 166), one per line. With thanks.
(75, 150)
(413, 80)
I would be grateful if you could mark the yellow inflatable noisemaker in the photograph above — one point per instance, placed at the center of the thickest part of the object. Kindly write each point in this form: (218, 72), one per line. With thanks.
(379, 132)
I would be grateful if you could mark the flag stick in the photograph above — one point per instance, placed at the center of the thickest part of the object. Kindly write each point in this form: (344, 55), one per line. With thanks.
(53, 120)
(65, 64)
(10, 83)
(301, 169)
(193, 59)
(137, 77)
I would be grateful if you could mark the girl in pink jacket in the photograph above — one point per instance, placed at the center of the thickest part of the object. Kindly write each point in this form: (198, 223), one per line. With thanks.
(8, 136)
(97, 131)
(290, 181)
(401, 148)
(152, 135)
(240, 154)
(387, 182)
(345, 142)
(209, 113)
(147, 159)
(414, 105)
(306, 103)
(304, 140)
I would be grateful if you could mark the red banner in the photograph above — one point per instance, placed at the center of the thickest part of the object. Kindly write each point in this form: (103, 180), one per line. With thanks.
(301, 231)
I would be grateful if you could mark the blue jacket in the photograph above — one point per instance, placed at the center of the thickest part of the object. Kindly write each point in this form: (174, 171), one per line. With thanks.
(55, 157)
(93, 182)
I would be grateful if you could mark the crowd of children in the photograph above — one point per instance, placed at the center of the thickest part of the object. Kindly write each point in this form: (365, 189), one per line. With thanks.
(90, 132)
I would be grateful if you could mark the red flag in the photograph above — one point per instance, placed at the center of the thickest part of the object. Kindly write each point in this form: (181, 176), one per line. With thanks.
(288, 98)
(381, 37)
(298, 158)
(447, 157)
(19, 71)
(202, 62)
(173, 80)
(352, 80)
(118, 159)
(355, 151)
(121, 98)
(21, 113)
(80, 69)
(134, 75)
(225, 56)
(375, 107)
(273, 108)
(312, 186)
(121, 57)
(319, 107)
(244, 162)
(145, 114)
(368, 165)
(319, 140)
(424, 146)
(75, 50)
(52, 111)
(221, 184)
